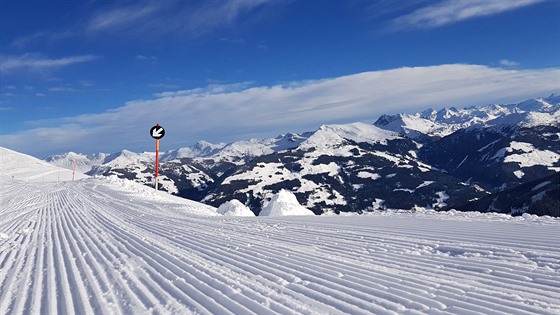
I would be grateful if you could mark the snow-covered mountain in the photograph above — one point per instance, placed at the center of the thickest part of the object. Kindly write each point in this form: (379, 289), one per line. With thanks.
(540, 196)
(497, 158)
(432, 123)
(434, 159)
(343, 168)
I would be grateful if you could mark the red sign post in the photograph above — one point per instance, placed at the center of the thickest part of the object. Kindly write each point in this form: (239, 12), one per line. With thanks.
(74, 171)
(157, 132)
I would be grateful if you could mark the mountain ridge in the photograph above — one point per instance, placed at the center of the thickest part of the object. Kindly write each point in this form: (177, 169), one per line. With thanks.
(441, 123)
(434, 159)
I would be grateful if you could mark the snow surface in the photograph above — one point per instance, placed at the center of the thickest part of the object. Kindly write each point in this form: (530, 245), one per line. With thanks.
(110, 246)
(373, 176)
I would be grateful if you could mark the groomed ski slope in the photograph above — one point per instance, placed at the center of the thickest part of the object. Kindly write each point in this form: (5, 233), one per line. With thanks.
(98, 246)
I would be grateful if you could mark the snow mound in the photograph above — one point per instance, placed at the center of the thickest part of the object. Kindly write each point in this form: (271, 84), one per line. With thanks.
(235, 208)
(284, 203)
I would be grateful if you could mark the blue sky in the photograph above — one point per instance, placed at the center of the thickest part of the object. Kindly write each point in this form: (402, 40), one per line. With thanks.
(90, 76)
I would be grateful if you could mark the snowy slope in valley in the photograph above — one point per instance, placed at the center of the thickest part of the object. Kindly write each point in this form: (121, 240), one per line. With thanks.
(527, 155)
(109, 246)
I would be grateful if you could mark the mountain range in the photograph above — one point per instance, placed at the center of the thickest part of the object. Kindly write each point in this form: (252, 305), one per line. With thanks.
(465, 159)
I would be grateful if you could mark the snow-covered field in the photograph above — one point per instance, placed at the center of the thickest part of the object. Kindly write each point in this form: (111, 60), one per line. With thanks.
(107, 246)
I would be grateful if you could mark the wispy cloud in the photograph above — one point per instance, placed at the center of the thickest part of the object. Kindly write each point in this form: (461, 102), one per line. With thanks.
(377, 8)
(509, 63)
(151, 59)
(453, 11)
(126, 16)
(86, 83)
(220, 13)
(212, 89)
(228, 113)
(61, 89)
(9, 64)
(42, 37)
(167, 86)
(171, 17)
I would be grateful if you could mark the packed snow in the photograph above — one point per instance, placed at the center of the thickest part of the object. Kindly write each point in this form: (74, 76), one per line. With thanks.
(111, 246)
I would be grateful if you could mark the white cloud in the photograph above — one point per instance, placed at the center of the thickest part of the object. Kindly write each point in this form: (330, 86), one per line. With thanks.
(228, 113)
(509, 63)
(453, 11)
(9, 64)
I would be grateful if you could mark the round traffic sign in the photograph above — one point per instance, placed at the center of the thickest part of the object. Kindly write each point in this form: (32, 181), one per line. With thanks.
(157, 132)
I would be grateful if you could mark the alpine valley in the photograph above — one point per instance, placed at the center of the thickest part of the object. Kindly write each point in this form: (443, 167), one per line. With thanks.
(498, 158)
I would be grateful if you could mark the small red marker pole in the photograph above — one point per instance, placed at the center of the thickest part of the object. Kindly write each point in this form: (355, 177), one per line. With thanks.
(157, 162)
(157, 132)
(74, 171)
